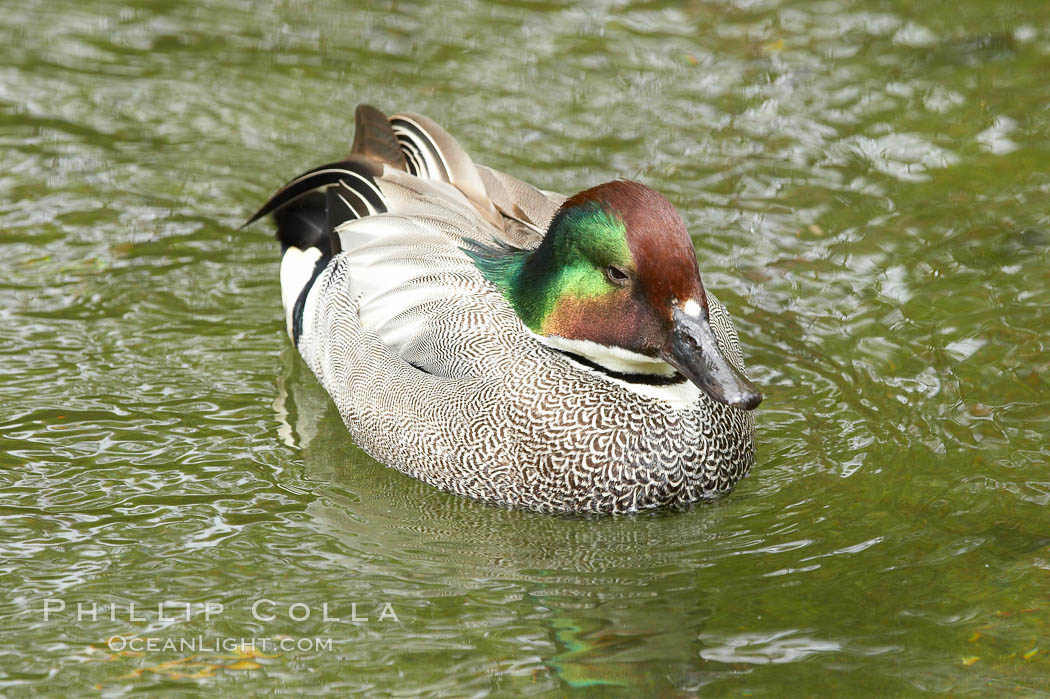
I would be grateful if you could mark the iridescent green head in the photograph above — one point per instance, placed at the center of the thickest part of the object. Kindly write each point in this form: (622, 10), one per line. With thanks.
(615, 280)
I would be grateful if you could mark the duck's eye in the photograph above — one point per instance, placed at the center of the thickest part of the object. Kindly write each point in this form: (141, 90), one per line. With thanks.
(617, 275)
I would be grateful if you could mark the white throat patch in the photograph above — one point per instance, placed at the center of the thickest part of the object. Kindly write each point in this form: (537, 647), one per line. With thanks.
(622, 361)
(613, 358)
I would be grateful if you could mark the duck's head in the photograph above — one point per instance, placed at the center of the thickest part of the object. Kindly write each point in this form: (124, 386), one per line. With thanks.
(615, 283)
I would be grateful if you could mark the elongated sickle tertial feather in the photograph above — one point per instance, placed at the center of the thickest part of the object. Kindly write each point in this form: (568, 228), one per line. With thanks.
(374, 138)
(423, 154)
(309, 208)
(358, 174)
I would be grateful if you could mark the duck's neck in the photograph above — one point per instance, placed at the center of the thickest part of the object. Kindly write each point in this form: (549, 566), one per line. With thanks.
(558, 274)
(524, 278)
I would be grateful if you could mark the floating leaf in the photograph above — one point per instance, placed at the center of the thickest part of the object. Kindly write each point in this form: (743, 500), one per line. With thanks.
(244, 665)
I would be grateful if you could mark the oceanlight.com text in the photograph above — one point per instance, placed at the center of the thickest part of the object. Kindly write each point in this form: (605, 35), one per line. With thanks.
(199, 644)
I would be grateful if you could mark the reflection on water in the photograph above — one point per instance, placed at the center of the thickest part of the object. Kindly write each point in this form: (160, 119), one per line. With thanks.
(866, 185)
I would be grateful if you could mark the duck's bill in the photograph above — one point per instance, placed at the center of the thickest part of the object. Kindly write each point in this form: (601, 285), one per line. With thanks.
(693, 350)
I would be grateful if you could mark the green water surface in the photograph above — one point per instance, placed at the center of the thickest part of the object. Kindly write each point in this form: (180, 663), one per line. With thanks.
(868, 186)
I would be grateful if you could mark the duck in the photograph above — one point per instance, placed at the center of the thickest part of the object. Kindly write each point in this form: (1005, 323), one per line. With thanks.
(508, 343)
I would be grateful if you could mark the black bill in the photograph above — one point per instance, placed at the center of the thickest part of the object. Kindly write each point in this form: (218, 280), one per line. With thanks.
(694, 351)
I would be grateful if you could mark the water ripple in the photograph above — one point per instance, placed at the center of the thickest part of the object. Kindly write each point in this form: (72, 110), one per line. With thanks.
(866, 190)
